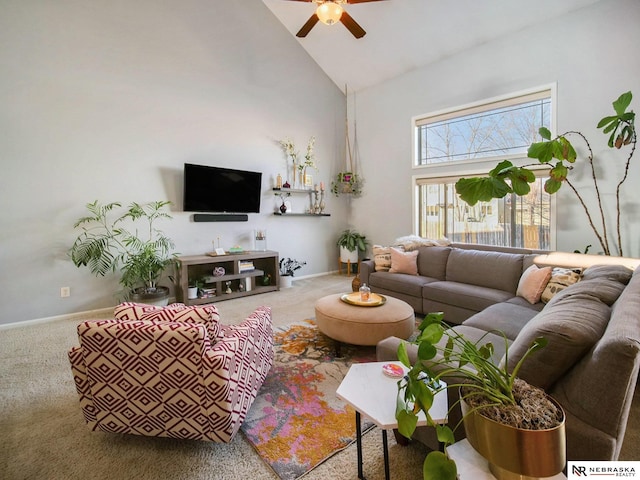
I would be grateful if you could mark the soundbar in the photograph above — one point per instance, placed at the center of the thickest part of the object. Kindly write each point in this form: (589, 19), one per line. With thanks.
(220, 217)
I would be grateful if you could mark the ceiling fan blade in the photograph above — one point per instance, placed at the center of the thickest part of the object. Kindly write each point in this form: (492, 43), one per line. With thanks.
(355, 29)
(306, 28)
(361, 1)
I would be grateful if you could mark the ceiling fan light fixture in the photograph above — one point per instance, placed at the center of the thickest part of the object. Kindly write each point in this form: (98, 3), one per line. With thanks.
(329, 12)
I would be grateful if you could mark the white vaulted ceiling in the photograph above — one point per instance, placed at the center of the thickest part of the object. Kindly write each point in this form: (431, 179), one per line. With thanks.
(403, 35)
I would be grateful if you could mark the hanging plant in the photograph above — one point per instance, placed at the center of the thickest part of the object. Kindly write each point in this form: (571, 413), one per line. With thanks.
(348, 182)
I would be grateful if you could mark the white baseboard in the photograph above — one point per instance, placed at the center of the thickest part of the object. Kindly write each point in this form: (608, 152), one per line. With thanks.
(108, 311)
(100, 313)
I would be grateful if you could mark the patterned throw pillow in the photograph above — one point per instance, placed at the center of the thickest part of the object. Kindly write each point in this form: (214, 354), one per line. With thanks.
(404, 262)
(382, 258)
(176, 312)
(561, 278)
(533, 282)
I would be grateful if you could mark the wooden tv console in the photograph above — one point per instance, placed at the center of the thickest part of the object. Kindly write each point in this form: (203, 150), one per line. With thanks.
(199, 267)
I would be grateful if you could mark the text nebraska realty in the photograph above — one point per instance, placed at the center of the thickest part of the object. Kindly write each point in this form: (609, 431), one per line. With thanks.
(580, 471)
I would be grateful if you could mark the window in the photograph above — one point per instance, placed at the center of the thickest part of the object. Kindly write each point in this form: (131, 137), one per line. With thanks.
(509, 221)
(472, 139)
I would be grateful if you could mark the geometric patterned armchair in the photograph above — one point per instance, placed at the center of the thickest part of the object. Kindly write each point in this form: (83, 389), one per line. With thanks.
(171, 371)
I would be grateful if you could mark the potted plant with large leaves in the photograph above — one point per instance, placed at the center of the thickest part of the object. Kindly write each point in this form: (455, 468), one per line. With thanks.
(491, 399)
(351, 243)
(558, 155)
(107, 244)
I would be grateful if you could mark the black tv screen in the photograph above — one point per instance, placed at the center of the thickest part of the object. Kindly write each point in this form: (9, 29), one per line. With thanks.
(224, 190)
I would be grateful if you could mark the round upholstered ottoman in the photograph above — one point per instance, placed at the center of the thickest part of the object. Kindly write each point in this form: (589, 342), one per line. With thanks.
(359, 325)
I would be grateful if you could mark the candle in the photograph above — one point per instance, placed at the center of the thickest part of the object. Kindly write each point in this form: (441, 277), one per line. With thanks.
(322, 186)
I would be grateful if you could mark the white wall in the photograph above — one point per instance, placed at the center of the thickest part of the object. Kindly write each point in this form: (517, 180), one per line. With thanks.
(590, 55)
(107, 99)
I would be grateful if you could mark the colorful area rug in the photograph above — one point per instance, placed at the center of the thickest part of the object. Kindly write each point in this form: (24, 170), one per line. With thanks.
(297, 421)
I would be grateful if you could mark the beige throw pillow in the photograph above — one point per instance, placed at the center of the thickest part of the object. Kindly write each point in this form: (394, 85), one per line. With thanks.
(561, 278)
(382, 258)
(533, 282)
(404, 262)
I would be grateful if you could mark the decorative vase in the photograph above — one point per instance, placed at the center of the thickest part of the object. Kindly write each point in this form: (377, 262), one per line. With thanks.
(295, 174)
(515, 453)
(219, 271)
(286, 281)
(260, 237)
(283, 208)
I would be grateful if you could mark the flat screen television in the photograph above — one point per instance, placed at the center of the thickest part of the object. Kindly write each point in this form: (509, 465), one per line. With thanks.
(221, 190)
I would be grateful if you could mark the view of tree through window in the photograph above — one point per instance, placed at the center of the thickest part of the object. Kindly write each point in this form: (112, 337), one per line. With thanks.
(502, 129)
(509, 221)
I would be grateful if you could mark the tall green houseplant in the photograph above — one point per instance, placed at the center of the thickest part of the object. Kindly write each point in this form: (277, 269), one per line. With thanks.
(131, 242)
(558, 155)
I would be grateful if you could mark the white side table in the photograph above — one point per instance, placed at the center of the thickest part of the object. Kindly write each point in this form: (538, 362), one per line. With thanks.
(373, 394)
(473, 466)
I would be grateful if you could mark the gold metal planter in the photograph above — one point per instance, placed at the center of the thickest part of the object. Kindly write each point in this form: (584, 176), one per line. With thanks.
(513, 453)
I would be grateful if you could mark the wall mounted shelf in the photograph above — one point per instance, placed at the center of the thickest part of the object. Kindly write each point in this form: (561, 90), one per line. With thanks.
(313, 201)
(302, 214)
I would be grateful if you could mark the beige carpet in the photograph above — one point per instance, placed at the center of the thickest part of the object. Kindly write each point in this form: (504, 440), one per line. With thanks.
(43, 436)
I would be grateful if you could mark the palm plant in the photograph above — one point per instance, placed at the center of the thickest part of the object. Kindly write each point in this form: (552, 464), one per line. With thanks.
(104, 245)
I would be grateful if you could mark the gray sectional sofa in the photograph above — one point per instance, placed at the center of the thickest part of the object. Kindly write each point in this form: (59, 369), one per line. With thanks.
(592, 360)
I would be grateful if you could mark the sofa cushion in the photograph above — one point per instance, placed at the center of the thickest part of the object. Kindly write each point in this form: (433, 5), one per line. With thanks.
(618, 273)
(472, 297)
(432, 261)
(533, 282)
(404, 262)
(571, 325)
(481, 337)
(523, 303)
(489, 269)
(561, 278)
(505, 317)
(176, 312)
(399, 282)
(603, 289)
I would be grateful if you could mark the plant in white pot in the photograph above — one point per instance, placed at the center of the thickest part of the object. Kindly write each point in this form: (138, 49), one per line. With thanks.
(288, 267)
(351, 243)
(106, 245)
(515, 426)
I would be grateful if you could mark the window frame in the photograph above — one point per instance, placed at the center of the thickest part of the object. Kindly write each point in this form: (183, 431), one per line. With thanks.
(451, 171)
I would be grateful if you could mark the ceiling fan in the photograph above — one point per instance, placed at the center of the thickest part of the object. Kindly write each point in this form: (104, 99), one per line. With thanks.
(330, 12)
